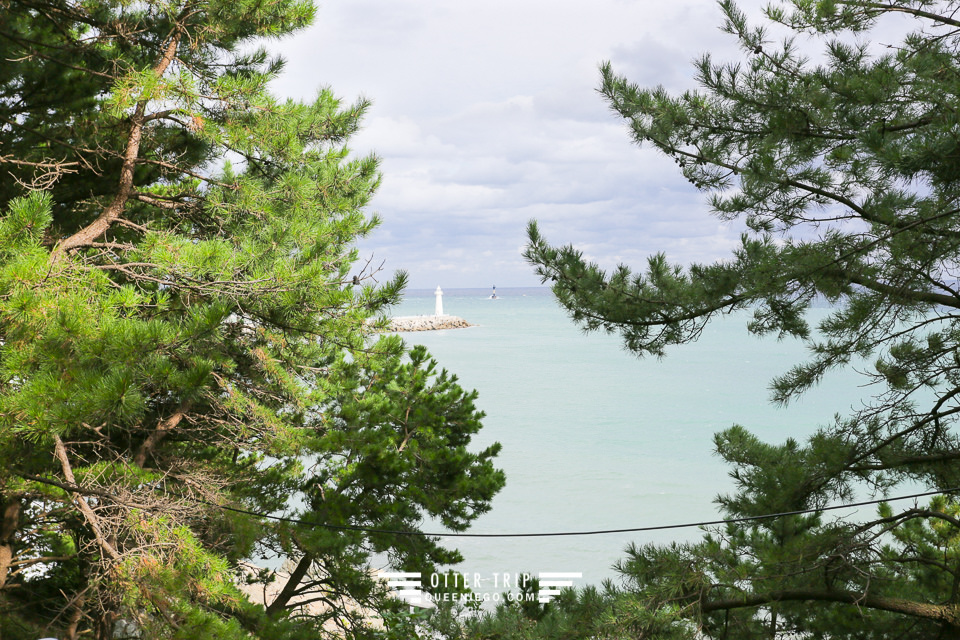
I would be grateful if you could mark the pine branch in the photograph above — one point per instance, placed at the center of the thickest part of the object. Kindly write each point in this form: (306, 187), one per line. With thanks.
(949, 614)
(88, 514)
(161, 432)
(98, 227)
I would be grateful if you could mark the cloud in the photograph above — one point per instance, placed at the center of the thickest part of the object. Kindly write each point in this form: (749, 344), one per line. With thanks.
(486, 115)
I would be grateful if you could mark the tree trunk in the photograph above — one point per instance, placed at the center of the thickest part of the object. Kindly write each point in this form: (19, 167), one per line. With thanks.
(73, 622)
(131, 153)
(9, 521)
(105, 625)
(290, 588)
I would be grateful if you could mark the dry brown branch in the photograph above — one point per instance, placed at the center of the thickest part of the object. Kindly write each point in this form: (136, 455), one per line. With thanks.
(88, 514)
(120, 246)
(123, 222)
(46, 173)
(78, 150)
(155, 201)
(192, 174)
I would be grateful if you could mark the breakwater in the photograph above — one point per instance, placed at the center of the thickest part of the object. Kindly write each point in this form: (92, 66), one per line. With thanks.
(427, 323)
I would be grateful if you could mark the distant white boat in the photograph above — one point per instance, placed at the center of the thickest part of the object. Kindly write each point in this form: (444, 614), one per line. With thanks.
(493, 296)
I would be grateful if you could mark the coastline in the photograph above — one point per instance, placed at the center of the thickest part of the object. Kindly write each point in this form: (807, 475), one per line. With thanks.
(427, 323)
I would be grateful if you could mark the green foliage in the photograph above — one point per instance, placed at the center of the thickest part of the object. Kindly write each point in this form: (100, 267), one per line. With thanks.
(188, 344)
(845, 172)
(571, 616)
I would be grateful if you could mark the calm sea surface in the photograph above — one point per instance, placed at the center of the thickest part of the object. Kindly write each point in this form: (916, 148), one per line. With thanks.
(595, 438)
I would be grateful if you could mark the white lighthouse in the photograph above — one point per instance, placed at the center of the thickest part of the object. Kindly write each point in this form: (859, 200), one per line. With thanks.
(439, 294)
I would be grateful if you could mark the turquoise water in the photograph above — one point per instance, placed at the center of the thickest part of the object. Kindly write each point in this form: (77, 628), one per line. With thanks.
(595, 438)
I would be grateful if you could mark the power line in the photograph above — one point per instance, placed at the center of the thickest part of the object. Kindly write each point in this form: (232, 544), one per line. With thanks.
(598, 532)
(447, 534)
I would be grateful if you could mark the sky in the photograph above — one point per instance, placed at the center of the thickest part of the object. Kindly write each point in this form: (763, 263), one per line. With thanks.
(486, 115)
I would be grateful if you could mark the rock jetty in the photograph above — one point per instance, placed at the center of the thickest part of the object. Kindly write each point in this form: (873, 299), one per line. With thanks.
(427, 323)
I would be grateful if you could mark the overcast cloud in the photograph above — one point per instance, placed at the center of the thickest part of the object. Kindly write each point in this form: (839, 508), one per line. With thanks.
(486, 115)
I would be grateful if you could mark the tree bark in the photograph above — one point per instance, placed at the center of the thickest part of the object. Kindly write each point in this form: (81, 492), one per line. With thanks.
(158, 434)
(105, 625)
(108, 216)
(71, 632)
(88, 514)
(290, 588)
(9, 522)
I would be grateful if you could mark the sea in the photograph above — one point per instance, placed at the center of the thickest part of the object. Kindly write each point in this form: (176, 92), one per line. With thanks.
(595, 438)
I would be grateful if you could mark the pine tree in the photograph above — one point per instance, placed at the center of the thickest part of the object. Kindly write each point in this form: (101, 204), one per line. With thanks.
(847, 174)
(191, 378)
